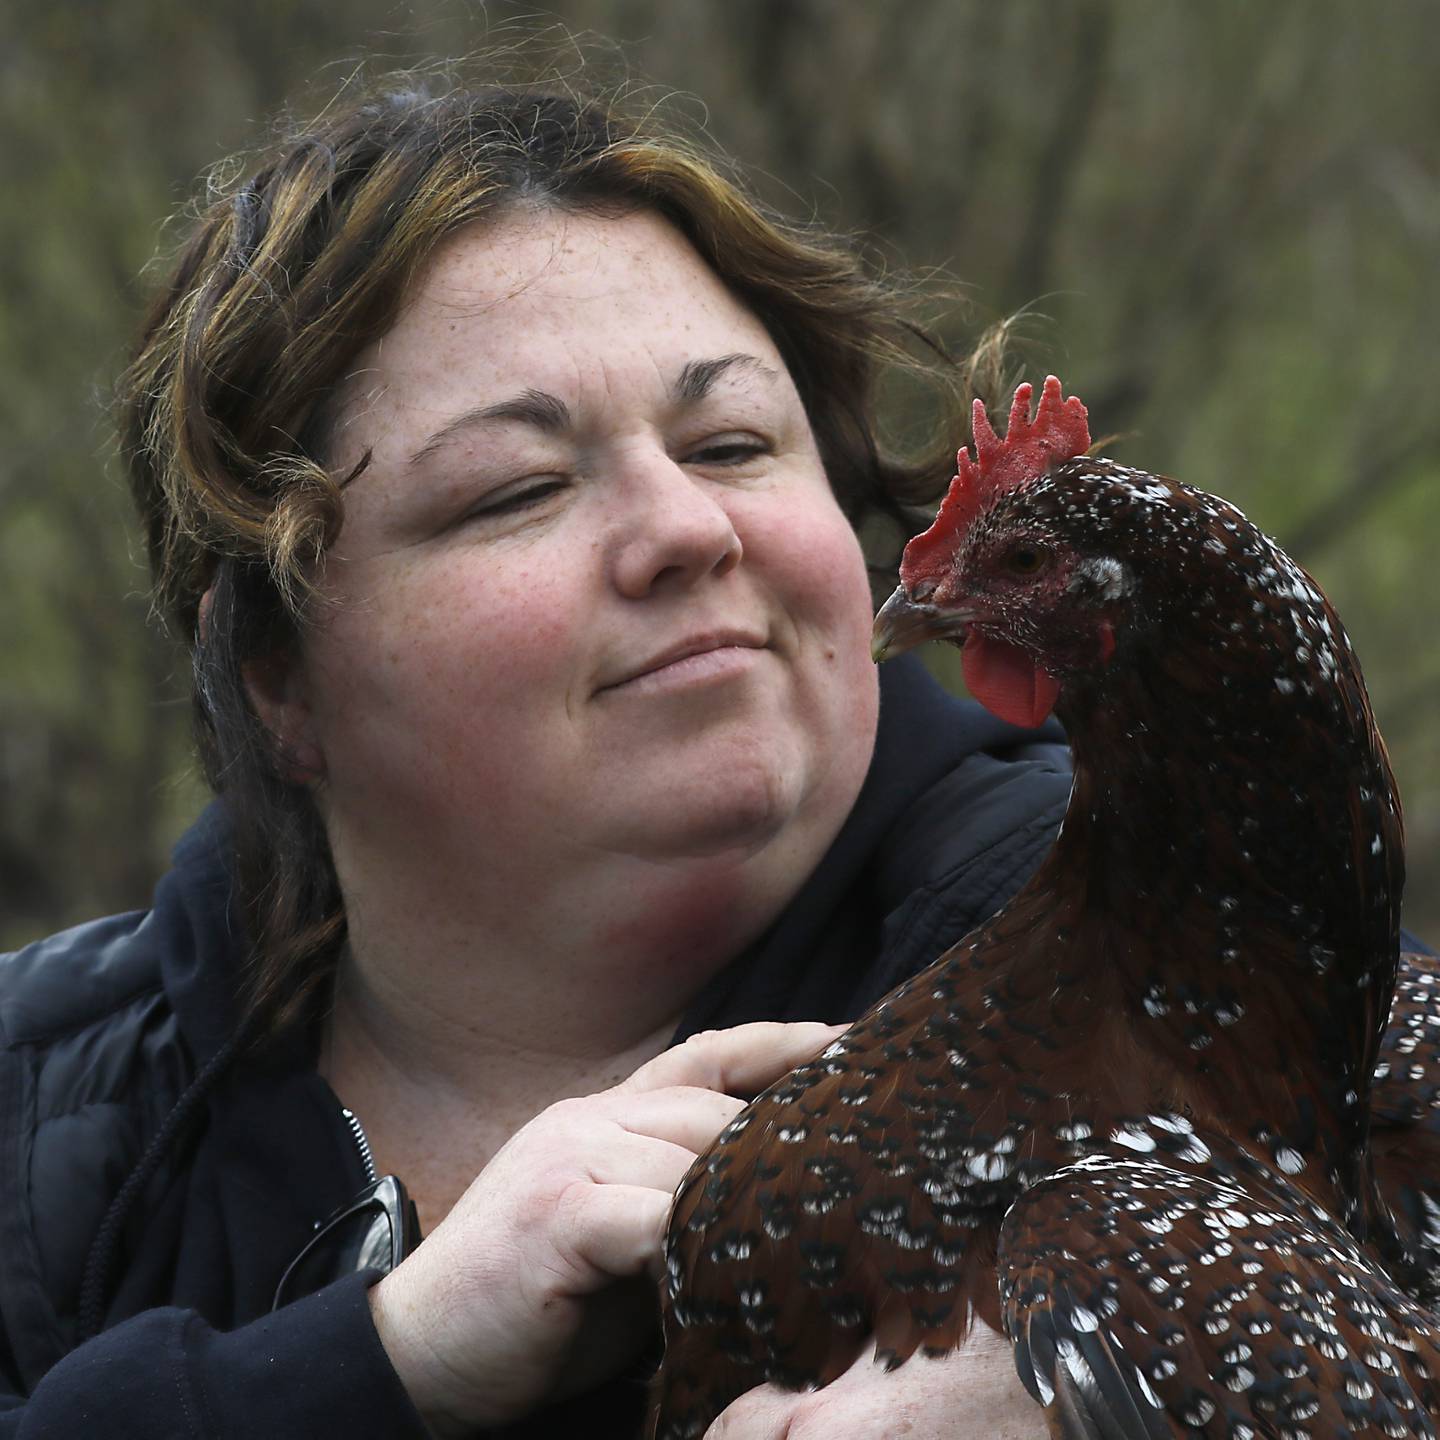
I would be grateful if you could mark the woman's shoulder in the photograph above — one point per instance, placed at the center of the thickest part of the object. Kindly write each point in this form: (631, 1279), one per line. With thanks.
(972, 803)
(90, 1056)
(103, 976)
(122, 1008)
(97, 1043)
(968, 827)
(91, 975)
(87, 1030)
(982, 827)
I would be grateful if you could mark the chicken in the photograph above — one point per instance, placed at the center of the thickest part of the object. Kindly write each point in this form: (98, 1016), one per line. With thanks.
(1127, 1120)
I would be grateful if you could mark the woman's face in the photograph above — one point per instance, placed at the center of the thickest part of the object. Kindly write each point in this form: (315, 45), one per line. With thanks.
(593, 594)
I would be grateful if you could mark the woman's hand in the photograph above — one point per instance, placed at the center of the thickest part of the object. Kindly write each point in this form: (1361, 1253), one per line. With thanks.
(518, 1297)
(971, 1394)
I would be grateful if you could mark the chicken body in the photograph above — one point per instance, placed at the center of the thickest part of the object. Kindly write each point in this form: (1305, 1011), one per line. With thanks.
(1127, 1120)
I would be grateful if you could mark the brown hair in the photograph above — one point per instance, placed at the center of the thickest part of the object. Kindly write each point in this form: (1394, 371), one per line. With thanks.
(226, 408)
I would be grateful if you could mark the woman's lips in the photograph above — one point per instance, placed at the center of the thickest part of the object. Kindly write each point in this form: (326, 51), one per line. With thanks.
(693, 661)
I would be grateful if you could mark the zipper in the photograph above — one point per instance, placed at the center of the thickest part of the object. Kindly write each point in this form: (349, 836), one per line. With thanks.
(361, 1144)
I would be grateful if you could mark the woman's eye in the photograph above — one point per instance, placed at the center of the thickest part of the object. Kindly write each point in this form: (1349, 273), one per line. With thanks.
(727, 451)
(523, 497)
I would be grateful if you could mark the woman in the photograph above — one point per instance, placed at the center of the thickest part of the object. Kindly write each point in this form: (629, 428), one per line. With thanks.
(503, 460)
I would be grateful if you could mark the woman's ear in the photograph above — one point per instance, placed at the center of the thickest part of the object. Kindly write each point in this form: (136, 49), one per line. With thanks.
(276, 686)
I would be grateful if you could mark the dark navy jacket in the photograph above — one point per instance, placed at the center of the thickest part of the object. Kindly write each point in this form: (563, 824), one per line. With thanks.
(103, 1028)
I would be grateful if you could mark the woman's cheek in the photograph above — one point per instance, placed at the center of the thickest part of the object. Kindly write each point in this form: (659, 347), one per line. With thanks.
(831, 574)
(404, 644)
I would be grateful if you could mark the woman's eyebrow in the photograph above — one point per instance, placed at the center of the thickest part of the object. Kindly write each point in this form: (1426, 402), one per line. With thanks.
(699, 376)
(550, 414)
(539, 408)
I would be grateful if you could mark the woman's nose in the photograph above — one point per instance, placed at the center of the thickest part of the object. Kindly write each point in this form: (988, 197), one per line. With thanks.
(671, 532)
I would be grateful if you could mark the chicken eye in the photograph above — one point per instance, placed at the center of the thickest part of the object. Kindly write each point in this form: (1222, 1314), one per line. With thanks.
(1025, 559)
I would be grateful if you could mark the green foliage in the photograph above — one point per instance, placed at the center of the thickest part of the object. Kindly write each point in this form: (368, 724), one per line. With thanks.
(1224, 217)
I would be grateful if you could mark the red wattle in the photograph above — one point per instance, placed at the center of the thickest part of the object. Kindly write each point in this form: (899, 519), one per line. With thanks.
(1006, 681)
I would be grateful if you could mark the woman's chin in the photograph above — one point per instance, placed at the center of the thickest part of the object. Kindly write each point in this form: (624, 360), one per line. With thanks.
(744, 786)
(726, 809)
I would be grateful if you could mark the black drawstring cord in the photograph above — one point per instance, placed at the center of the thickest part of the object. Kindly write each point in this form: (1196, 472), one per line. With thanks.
(100, 1261)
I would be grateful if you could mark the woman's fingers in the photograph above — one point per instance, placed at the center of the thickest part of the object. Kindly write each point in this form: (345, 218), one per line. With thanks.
(684, 1115)
(972, 1393)
(742, 1061)
(632, 1157)
(617, 1229)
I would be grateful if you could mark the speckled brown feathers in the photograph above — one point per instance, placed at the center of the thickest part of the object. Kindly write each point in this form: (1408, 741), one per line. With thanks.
(1148, 1302)
(1138, 1098)
(1405, 1127)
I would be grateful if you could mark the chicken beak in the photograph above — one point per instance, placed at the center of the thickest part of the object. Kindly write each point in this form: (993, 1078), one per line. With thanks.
(904, 623)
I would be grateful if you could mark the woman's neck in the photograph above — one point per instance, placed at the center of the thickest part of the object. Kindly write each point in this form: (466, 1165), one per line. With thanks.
(447, 1034)
(444, 1043)
(438, 1096)
(583, 967)
(523, 1031)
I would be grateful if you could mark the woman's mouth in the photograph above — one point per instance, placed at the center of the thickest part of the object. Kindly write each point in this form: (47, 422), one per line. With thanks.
(698, 660)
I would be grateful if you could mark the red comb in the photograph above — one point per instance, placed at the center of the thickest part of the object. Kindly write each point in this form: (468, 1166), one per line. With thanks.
(1058, 432)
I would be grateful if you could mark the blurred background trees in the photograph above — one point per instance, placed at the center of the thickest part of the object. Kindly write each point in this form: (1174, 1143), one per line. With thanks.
(1222, 217)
